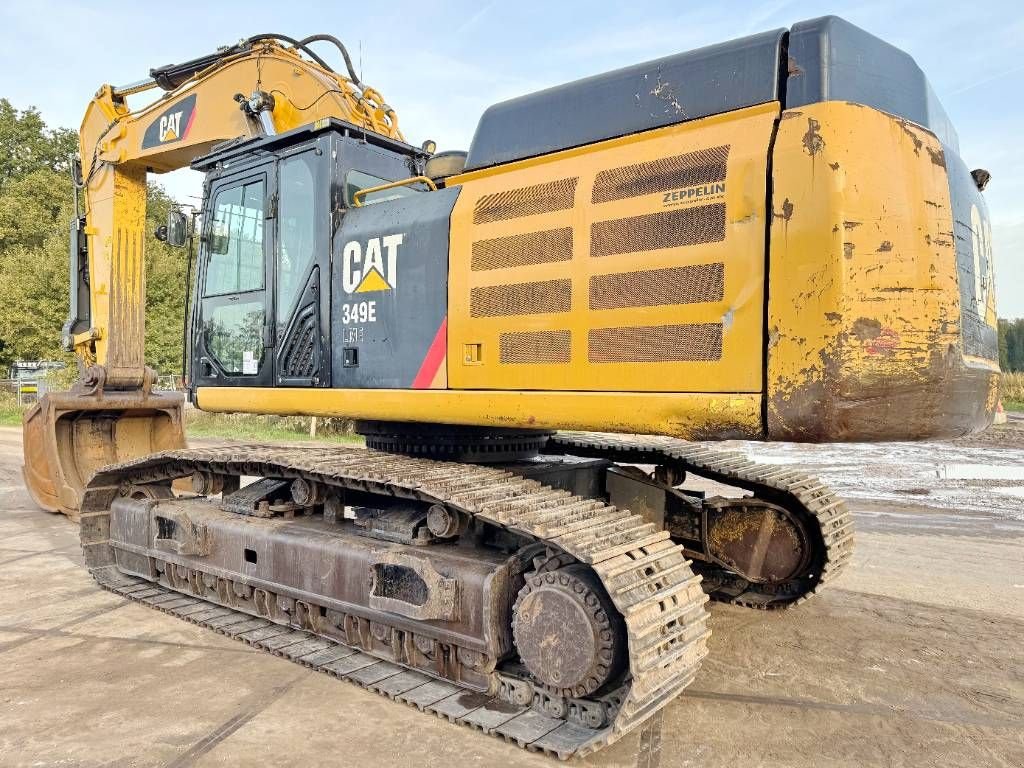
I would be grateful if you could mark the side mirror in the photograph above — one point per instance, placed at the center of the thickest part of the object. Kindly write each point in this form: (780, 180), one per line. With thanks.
(177, 228)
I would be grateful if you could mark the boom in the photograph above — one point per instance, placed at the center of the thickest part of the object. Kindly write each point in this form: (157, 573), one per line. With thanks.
(262, 85)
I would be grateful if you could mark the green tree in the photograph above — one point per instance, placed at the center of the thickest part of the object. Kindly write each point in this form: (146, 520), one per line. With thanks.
(1015, 345)
(1004, 345)
(165, 290)
(36, 207)
(27, 145)
(1011, 345)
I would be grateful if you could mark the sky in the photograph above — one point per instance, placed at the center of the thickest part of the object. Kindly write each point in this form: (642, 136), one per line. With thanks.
(441, 64)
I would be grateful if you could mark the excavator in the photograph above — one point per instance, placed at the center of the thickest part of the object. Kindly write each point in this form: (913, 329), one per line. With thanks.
(773, 238)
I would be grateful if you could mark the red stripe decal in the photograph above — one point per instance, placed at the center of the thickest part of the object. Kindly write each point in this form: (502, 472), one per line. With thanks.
(191, 119)
(436, 353)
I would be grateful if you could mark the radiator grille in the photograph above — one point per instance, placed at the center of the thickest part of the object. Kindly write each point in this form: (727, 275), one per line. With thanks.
(535, 347)
(521, 299)
(656, 344)
(663, 174)
(525, 201)
(683, 226)
(691, 284)
(522, 250)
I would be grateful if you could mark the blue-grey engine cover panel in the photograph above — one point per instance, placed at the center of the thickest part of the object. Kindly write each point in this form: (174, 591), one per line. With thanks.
(389, 289)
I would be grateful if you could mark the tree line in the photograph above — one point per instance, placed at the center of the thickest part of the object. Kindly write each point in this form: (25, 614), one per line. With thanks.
(1011, 345)
(36, 208)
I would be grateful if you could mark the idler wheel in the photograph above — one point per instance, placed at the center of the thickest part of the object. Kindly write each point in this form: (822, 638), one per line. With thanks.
(568, 633)
(762, 542)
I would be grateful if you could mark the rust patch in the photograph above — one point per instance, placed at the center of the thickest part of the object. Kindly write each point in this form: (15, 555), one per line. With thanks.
(938, 156)
(848, 225)
(912, 134)
(835, 229)
(866, 329)
(790, 115)
(833, 317)
(792, 68)
(787, 211)
(888, 339)
(834, 166)
(884, 247)
(812, 140)
(933, 204)
(848, 250)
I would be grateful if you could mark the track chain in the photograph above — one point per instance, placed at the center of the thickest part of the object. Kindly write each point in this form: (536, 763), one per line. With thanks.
(797, 491)
(649, 581)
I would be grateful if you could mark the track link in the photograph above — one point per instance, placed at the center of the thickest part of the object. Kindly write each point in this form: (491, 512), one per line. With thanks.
(797, 491)
(645, 574)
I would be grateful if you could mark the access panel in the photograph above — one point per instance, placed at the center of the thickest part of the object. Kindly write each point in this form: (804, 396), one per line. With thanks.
(636, 264)
(389, 293)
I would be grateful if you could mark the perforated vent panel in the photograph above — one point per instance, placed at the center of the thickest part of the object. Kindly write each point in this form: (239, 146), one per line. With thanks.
(655, 344)
(632, 265)
(661, 175)
(521, 299)
(522, 250)
(300, 357)
(535, 347)
(682, 226)
(525, 201)
(691, 284)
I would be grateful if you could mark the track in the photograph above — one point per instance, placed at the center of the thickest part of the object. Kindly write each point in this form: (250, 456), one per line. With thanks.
(645, 574)
(795, 490)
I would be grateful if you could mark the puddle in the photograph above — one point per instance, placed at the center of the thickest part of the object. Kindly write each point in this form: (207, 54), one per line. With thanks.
(958, 471)
(1018, 492)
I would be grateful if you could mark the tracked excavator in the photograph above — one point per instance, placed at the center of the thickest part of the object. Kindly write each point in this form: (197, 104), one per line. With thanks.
(773, 238)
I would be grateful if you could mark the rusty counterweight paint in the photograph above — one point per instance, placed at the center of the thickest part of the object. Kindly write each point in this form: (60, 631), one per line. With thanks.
(865, 311)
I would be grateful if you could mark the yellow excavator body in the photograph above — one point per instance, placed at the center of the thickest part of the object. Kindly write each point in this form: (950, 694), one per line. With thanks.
(755, 240)
(585, 294)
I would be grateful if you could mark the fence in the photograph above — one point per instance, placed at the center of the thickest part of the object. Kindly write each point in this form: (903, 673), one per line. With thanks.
(27, 391)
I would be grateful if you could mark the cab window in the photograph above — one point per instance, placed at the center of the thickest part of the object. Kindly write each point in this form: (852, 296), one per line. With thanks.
(236, 241)
(297, 211)
(357, 180)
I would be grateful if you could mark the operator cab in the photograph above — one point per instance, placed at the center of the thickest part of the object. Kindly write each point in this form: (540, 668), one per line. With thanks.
(278, 212)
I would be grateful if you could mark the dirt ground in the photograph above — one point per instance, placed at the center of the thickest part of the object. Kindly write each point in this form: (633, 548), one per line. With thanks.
(914, 658)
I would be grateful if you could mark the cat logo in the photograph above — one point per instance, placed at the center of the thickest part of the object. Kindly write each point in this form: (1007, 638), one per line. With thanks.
(172, 125)
(372, 269)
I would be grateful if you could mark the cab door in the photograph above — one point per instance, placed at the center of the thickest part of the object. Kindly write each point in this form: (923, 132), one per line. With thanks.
(232, 332)
(302, 265)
